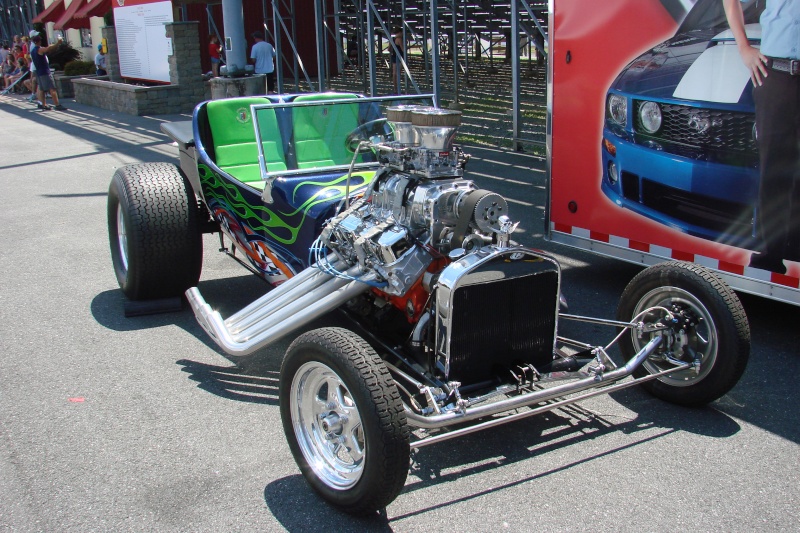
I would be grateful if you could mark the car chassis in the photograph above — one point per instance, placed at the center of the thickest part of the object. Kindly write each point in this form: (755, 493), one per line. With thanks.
(454, 324)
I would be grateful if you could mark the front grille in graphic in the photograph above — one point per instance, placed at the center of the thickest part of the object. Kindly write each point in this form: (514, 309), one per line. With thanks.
(712, 135)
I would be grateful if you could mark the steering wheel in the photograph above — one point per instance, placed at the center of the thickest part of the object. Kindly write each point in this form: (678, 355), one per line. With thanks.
(378, 130)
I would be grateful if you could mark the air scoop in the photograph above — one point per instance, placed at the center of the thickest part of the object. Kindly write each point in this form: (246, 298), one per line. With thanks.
(400, 117)
(435, 128)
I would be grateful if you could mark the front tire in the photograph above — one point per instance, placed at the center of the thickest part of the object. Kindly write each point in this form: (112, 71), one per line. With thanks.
(344, 420)
(717, 330)
(154, 231)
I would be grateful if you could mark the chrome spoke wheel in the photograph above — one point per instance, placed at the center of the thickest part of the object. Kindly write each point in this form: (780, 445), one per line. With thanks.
(700, 338)
(327, 425)
(709, 331)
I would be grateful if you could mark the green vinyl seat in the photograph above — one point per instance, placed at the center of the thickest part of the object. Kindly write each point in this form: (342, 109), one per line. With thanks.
(235, 146)
(320, 130)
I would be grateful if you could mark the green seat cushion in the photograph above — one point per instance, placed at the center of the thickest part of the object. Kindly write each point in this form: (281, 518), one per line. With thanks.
(235, 146)
(320, 130)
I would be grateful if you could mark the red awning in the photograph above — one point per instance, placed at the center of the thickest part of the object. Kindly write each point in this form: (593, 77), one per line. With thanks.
(51, 13)
(69, 20)
(94, 8)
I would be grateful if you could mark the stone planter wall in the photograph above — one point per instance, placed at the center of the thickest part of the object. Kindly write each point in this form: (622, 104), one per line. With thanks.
(131, 99)
(185, 91)
(64, 83)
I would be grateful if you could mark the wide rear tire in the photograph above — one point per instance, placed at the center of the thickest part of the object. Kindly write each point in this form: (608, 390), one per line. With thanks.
(154, 231)
(344, 420)
(717, 330)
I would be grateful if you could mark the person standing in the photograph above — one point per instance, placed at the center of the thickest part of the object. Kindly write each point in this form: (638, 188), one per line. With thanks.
(263, 55)
(775, 72)
(32, 97)
(398, 43)
(100, 61)
(214, 51)
(43, 75)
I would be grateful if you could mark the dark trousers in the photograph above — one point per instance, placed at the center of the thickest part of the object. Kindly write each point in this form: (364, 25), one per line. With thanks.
(778, 124)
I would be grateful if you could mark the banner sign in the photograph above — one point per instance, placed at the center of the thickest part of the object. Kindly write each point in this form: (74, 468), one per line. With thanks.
(144, 48)
(653, 151)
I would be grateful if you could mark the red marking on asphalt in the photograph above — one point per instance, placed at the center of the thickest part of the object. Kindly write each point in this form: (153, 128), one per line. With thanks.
(77, 400)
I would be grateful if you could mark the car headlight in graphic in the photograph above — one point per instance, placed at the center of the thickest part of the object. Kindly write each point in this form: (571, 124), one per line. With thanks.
(618, 109)
(650, 116)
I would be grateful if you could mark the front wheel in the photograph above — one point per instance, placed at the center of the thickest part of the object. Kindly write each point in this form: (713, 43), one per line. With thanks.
(714, 331)
(344, 420)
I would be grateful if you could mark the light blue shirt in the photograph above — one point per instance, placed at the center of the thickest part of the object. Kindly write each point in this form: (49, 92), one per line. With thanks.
(780, 29)
(263, 52)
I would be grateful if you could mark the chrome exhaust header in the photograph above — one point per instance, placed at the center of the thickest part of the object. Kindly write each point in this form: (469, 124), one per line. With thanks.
(280, 311)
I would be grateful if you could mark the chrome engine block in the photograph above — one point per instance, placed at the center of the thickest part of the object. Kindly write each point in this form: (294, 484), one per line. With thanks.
(418, 205)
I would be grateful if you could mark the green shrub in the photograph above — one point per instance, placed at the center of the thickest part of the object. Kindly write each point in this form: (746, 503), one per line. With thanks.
(62, 55)
(79, 68)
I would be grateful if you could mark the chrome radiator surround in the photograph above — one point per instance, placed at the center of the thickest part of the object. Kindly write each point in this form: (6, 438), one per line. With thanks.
(514, 305)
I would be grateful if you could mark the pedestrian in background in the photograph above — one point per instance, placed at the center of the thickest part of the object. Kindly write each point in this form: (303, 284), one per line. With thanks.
(43, 75)
(100, 61)
(263, 55)
(33, 86)
(214, 51)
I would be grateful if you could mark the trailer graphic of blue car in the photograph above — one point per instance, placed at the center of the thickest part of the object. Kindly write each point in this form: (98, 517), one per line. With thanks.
(679, 136)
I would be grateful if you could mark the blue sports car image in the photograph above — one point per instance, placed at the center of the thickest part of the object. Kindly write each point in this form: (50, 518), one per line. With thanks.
(679, 136)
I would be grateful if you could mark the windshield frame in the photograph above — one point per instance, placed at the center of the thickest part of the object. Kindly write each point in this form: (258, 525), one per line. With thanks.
(422, 99)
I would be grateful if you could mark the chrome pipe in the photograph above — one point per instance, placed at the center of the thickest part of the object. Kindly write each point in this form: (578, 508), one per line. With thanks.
(318, 286)
(523, 400)
(595, 320)
(288, 307)
(309, 275)
(238, 345)
(539, 410)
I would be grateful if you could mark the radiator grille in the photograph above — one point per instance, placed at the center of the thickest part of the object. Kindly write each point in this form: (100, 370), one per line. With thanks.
(501, 321)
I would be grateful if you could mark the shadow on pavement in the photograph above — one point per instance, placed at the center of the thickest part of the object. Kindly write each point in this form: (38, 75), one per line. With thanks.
(298, 508)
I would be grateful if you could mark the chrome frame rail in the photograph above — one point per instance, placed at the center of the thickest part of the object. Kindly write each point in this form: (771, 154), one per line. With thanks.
(539, 410)
(599, 380)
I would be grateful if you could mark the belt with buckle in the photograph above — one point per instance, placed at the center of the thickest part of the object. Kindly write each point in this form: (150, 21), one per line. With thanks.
(791, 66)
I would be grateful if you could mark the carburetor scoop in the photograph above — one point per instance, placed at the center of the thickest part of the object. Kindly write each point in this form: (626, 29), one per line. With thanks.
(435, 129)
(400, 117)
(423, 141)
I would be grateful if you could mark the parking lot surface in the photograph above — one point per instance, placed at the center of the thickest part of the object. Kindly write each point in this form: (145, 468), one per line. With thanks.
(141, 424)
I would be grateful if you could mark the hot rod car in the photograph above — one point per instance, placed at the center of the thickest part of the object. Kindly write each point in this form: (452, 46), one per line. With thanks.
(361, 205)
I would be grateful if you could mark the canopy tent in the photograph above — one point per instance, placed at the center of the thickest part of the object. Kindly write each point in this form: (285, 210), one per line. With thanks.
(52, 13)
(69, 20)
(94, 8)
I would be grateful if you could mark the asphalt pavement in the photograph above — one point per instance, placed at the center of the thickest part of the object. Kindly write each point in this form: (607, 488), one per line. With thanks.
(110, 423)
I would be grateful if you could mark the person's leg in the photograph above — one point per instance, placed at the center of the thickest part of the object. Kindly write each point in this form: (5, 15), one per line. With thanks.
(793, 245)
(776, 101)
(40, 94)
(54, 96)
(34, 87)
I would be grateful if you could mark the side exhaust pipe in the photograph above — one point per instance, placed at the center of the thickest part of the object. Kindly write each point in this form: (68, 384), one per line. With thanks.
(279, 312)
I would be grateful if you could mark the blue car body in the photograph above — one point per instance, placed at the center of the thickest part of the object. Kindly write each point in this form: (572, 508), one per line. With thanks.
(697, 171)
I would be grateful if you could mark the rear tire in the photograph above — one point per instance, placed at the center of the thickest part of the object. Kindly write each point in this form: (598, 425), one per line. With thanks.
(721, 336)
(344, 420)
(154, 231)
